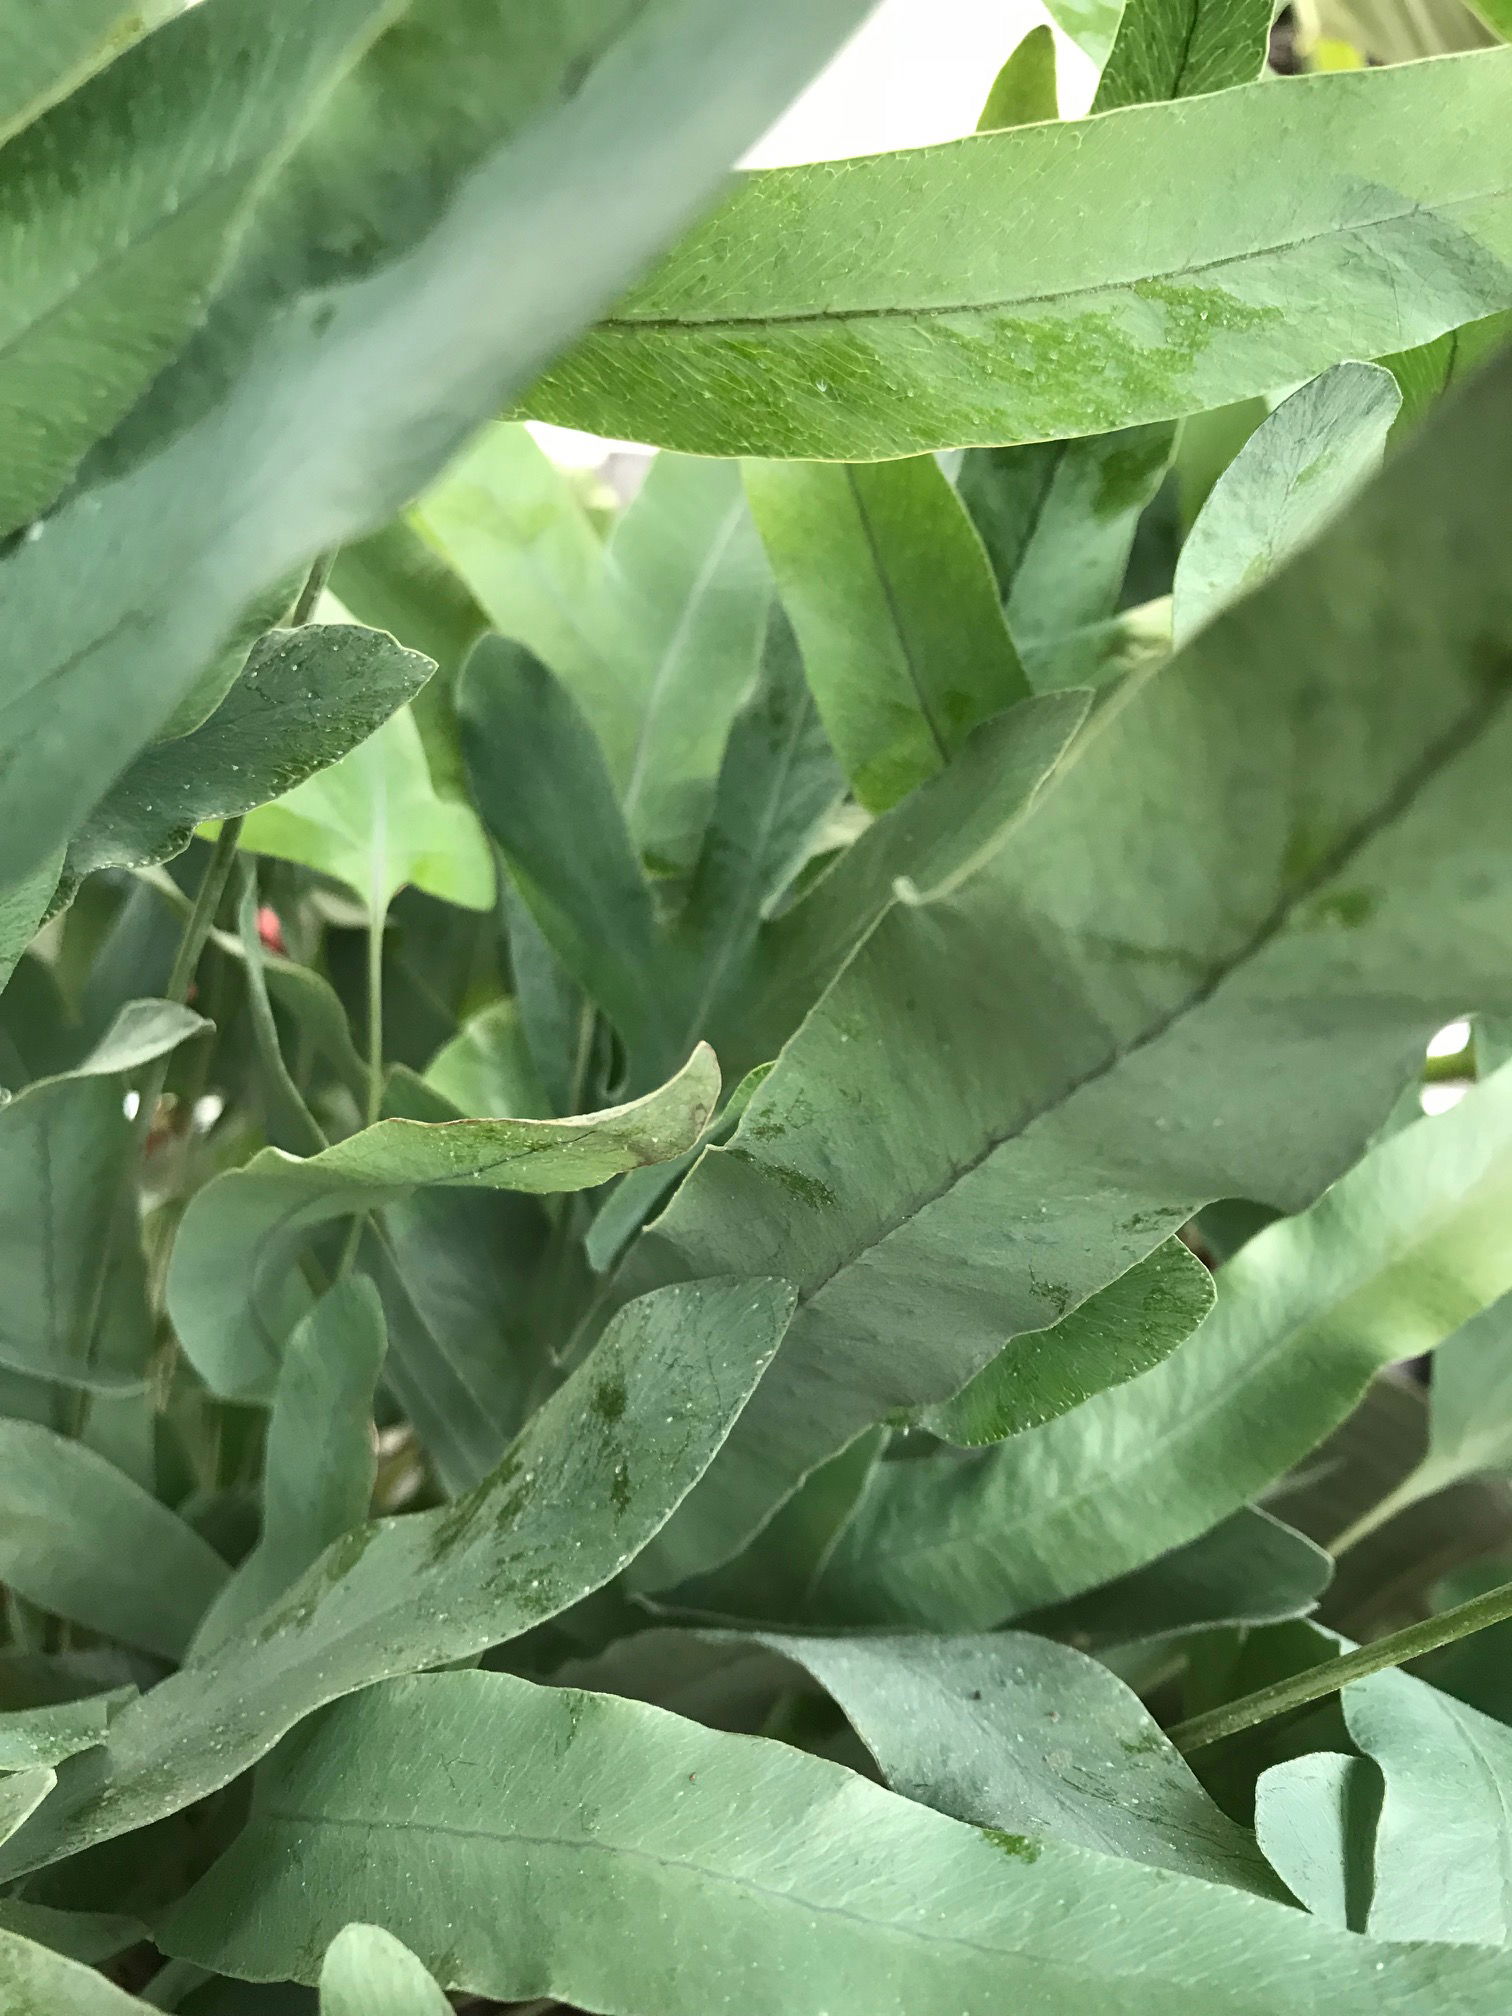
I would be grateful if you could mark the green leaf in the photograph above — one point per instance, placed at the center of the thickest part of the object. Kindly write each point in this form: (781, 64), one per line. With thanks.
(366, 1972)
(374, 821)
(1120, 1331)
(933, 839)
(576, 1819)
(1443, 1843)
(1298, 468)
(306, 698)
(1426, 373)
(542, 788)
(1181, 48)
(22, 907)
(824, 312)
(1249, 1569)
(1085, 1040)
(21, 1793)
(1387, 1264)
(34, 1978)
(482, 184)
(777, 783)
(59, 1729)
(49, 47)
(74, 1307)
(109, 267)
(1058, 519)
(80, 1540)
(393, 581)
(319, 1463)
(1019, 1733)
(1091, 24)
(1315, 1818)
(486, 1070)
(90, 1936)
(595, 1472)
(232, 1291)
(1023, 92)
(890, 594)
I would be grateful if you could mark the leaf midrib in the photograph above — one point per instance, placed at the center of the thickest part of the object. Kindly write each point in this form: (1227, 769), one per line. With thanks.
(624, 324)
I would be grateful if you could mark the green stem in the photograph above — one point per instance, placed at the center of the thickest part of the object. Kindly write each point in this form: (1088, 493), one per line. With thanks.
(191, 945)
(376, 921)
(312, 590)
(1495, 1607)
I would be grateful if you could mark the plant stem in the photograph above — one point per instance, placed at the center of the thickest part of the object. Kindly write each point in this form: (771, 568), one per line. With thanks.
(1266, 1703)
(376, 921)
(312, 590)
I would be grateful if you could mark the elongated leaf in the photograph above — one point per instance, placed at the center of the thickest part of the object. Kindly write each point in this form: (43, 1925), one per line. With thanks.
(1014, 1091)
(1386, 1265)
(614, 1899)
(22, 907)
(1024, 89)
(108, 268)
(542, 160)
(33, 1977)
(834, 318)
(935, 838)
(1443, 1843)
(543, 789)
(486, 1070)
(1292, 474)
(48, 48)
(73, 1307)
(891, 596)
(1426, 373)
(79, 1539)
(232, 1292)
(1315, 1818)
(306, 698)
(374, 821)
(90, 1936)
(1121, 1330)
(778, 780)
(595, 1472)
(1249, 1569)
(46, 1735)
(1058, 519)
(319, 1462)
(1091, 24)
(1025, 1735)
(366, 1972)
(1181, 48)
(21, 1793)
(690, 595)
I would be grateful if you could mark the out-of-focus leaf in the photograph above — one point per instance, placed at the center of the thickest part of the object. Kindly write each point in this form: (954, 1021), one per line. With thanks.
(1426, 373)
(484, 182)
(1121, 1330)
(319, 1463)
(595, 1472)
(890, 594)
(108, 267)
(73, 1306)
(1058, 519)
(1023, 92)
(1315, 1818)
(1249, 1569)
(1091, 24)
(1257, 863)
(778, 780)
(35, 1978)
(823, 312)
(1294, 472)
(1181, 48)
(366, 1972)
(80, 1540)
(542, 787)
(22, 908)
(49, 47)
(306, 698)
(374, 821)
(486, 1071)
(89, 1936)
(1386, 1265)
(1022, 1734)
(1443, 1843)
(232, 1291)
(932, 840)
(622, 1859)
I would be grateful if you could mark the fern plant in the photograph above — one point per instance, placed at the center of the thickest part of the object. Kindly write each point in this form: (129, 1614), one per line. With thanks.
(721, 1209)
